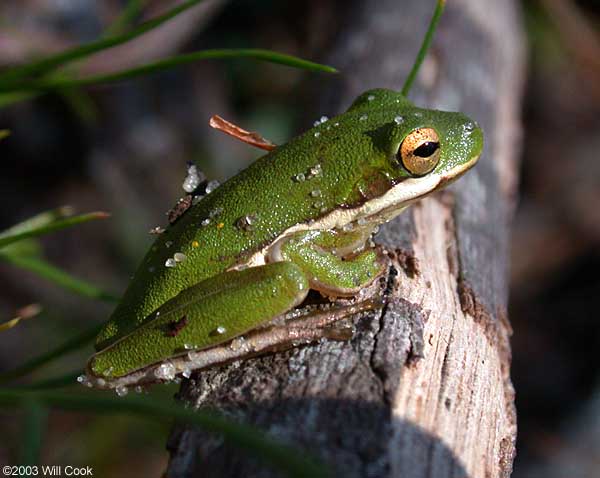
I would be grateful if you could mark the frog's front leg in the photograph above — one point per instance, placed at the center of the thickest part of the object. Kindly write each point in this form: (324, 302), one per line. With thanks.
(207, 314)
(334, 261)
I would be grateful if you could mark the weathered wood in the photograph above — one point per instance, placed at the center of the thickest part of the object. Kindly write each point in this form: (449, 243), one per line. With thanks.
(423, 388)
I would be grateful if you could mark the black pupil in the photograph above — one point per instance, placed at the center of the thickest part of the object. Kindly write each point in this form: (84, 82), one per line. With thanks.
(426, 149)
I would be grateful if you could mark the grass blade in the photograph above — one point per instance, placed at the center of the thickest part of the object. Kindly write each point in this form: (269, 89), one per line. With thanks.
(59, 277)
(66, 380)
(81, 103)
(30, 228)
(437, 14)
(126, 18)
(39, 220)
(80, 340)
(286, 459)
(33, 430)
(7, 99)
(45, 65)
(167, 63)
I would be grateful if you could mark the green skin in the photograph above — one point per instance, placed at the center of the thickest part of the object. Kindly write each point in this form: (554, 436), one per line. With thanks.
(307, 232)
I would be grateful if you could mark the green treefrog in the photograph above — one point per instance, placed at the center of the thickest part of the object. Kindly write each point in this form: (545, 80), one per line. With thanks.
(223, 280)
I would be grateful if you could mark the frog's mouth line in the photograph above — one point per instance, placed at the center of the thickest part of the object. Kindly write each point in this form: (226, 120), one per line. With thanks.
(412, 190)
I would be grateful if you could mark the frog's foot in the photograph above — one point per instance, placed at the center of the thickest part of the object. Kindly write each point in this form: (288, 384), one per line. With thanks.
(337, 264)
(309, 324)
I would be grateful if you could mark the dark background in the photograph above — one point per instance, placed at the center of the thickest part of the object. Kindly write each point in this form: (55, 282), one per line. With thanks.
(123, 148)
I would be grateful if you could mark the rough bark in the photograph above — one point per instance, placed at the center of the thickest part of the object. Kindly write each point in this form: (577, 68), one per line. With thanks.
(423, 388)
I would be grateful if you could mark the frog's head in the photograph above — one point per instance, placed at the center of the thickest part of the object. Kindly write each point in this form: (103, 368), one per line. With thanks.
(417, 150)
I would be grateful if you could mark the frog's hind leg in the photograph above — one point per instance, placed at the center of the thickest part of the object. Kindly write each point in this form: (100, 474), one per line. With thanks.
(209, 313)
(285, 334)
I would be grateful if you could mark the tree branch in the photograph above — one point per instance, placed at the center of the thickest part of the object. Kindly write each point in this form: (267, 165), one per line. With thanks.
(423, 388)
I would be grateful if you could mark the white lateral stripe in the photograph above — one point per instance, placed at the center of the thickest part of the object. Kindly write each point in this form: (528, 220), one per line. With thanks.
(401, 194)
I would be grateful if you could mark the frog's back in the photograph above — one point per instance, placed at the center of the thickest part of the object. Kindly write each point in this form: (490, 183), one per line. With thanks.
(295, 183)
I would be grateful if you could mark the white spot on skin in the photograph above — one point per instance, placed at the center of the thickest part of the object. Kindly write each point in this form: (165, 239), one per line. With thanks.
(179, 257)
(468, 128)
(370, 97)
(363, 118)
(216, 212)
(193, 179)
(398, 120)
(314, 171)
(237, 343)
(317, 134)
(170, 262)
(121, 390)
(211, 186)
(321, 120)
(166, 371)
(246, 223)
(220, 330)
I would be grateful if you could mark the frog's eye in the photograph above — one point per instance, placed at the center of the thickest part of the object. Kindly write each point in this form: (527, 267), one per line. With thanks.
(420, 151)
